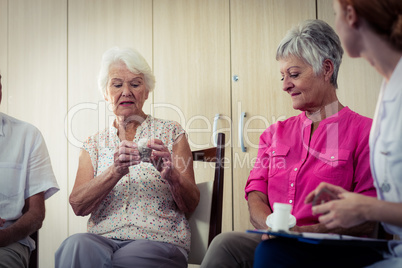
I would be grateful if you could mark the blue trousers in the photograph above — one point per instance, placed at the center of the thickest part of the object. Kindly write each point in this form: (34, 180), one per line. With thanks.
(90, 250)
(284, 252)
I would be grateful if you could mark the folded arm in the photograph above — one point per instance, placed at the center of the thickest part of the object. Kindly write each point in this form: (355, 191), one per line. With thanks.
(30, 221)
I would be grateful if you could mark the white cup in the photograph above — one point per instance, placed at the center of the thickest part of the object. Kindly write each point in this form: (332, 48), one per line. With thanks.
(281, 216)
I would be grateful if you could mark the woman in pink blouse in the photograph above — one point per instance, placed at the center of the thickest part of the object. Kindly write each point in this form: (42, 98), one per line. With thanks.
(325, 142)
(370, 29)
(137, 205)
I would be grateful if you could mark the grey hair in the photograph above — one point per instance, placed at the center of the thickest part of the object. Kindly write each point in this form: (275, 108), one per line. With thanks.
(313, 41)
(134, 61)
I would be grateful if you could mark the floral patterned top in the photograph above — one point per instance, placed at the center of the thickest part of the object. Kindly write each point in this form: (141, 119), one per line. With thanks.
(140, 206)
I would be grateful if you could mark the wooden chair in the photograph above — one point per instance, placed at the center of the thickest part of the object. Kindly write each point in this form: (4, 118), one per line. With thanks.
(206, 220)
(34, 260)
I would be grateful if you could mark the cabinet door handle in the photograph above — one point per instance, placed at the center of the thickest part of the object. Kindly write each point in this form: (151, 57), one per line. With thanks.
(241, 132)
(214, 130)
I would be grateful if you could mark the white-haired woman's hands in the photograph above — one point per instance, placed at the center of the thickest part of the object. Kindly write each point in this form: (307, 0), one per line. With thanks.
(126, 155)
(161, 158)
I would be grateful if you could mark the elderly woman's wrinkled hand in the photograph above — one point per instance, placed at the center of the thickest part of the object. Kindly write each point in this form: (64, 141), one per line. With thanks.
(125, 156)
(161, 158)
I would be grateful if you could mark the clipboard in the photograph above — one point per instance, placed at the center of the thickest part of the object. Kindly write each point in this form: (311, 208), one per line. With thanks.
(327, 238)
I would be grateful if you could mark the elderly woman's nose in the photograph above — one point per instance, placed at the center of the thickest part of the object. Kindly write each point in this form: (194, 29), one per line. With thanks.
(126, 90)
(287, 84)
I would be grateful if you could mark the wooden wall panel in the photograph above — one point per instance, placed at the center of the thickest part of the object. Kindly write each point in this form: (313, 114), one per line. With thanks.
(94, 27)
(192, 69)
(257, 27)
(37, 84)
(4, 53)
(358, 82)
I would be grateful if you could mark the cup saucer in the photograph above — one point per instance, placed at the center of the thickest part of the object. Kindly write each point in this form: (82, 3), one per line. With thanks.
(292, 220)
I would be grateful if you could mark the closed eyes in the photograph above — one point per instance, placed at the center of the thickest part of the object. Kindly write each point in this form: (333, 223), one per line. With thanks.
(291, 76)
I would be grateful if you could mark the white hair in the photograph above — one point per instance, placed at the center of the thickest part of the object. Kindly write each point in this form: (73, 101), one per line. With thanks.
(134, 62)
(313, 41)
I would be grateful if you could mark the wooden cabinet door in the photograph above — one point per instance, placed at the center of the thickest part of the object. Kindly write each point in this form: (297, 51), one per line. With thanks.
(37, 93)
(94, 27)
(358, 83)
(192, 70)
(3, 54)
(257, 26)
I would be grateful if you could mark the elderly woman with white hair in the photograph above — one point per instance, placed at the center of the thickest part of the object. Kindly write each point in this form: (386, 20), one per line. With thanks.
(325, 142)
(136, 202)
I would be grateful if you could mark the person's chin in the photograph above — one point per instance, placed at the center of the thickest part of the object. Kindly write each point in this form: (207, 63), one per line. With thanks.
(125, 114)
(126, 110)
(297, 106)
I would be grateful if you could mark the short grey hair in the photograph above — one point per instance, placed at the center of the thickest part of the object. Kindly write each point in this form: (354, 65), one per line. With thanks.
(313, 41)
(134, 61)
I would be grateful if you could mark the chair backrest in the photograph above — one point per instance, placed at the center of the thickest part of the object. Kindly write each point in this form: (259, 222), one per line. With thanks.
(33, 260)
(206, 220)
